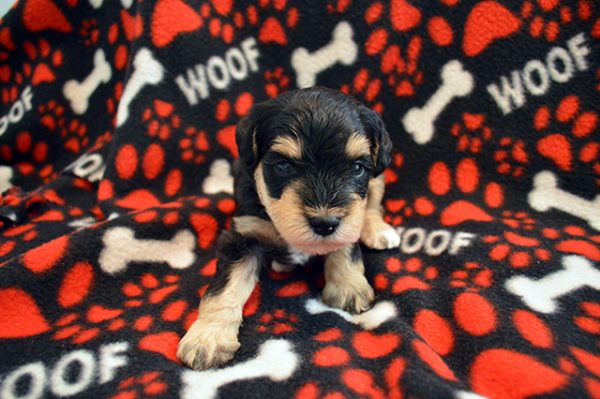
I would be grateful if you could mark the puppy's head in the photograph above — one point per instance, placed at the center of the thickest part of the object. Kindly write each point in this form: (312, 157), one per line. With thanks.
(312, 153)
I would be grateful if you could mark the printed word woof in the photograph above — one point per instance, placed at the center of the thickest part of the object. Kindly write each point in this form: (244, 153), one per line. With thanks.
(433, 243)
(219, 71)
(536, 76)
(73, 373)
(17, 110)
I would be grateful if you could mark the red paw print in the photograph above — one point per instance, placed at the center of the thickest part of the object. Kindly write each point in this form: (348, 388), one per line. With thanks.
(511, 157)
(338, 6)
(112, 103)
(223, 114)
(32, 157)
(24, 232)
(161, 120)
(519, 249)
(149, 290)
(590, 322)
(518, 220)
(277, 82)
(575, 129)
(79, 329)
(402, 71)
(407, 275)
(75, 136)
(367, 88)
(277, 322)
(90, 32)
(73, 132)
(399, 210)
(546, 17)
(574, 240)
(42, 61)
(398, 64)
(473, 277)
(142, 386)
(467, 182)
(223, 21)
(194, 145)
(472, 133)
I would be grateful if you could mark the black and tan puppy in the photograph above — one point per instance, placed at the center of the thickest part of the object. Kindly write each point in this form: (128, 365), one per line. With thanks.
(309, 182)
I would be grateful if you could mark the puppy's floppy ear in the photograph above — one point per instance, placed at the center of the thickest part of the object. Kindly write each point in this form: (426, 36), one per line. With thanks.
(248, 132)
(245, 138)
(381, 144)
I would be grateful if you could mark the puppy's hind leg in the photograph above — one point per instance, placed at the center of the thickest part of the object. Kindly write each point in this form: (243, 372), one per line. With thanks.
(345, 284)
(212, 340)
(376, 233)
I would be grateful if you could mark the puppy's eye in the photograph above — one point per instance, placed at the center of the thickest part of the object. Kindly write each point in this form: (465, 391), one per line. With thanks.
(283, 168)
(358, 169)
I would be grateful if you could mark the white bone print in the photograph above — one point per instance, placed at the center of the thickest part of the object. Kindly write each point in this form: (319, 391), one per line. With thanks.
(121, 248)
(547, 195)
(341, 49)
(369, 320)
(275, 360)
(541, 295)
(456, 82)
(79, 93)
(147, 71)
(219, 179)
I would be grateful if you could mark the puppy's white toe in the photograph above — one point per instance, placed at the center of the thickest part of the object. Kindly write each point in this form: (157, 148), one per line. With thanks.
(282, 267)
(380, 235)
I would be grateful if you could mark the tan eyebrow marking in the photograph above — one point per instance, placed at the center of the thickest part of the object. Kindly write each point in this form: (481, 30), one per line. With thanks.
(357, 146)
(288, 146)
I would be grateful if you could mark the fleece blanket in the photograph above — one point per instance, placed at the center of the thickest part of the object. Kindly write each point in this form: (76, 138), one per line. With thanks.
(117, 139)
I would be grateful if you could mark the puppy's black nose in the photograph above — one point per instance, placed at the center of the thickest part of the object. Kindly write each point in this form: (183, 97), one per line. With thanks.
(324, 226)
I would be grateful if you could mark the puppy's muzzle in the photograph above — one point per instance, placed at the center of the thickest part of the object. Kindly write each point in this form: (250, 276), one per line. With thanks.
(324, 226)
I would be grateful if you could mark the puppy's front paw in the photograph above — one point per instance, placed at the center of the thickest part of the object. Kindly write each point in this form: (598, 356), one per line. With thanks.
(377, 234)
(354, 298)
(207, 346)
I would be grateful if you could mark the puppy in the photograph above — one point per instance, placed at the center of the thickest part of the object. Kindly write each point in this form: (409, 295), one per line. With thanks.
(308, 182)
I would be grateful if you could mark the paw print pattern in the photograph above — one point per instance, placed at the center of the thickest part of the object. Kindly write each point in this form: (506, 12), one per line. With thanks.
(519, 250)
(194, 145)
(43, 61)
(405, 275)
(546, 18)
(144, 385)
(79, 329)
(73, 132)
(590, 320)
(223, 114)
(149, 289)
(89, 32)
(399, 210)
(366, 88)
(472, 133)
(276, 82)
(473, 277)
(39, 67)
(467, 181)
(574, 139)
(518, 220)
(161, 120)
(277, 322)
(398, 63)
(574, 240)
(511, 157)
(273, 17)
(32, 157)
